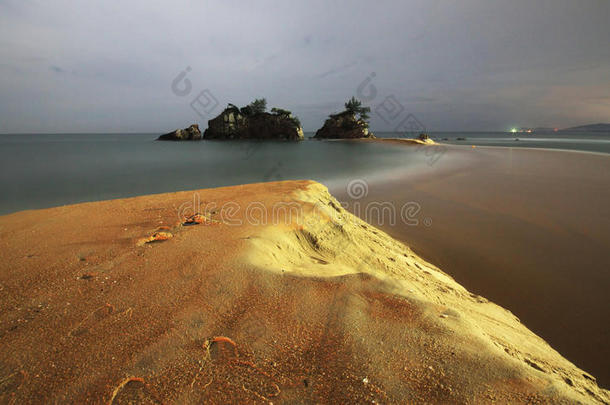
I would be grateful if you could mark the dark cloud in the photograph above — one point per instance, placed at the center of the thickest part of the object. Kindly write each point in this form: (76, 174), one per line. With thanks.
(454, 65)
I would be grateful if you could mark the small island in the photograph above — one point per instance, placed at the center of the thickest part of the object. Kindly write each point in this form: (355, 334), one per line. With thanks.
(352, 123)
(253, 122)
(191, 133)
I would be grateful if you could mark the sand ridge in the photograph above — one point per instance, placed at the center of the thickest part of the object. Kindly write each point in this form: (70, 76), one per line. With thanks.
(320, 307)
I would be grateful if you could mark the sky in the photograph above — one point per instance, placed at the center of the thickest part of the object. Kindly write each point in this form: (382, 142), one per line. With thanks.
(153, 66)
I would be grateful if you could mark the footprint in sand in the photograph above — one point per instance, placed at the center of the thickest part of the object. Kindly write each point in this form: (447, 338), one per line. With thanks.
(250, 377)
(221, 348)
(197, 219)
(92, 319)
(9, 384)
(132, 391)
(159, 236)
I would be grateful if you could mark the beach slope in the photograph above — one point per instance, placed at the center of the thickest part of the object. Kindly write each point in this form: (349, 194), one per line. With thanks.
(274, 293)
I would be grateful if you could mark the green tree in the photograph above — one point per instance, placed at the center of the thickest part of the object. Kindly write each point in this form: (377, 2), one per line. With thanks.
(287, 114)
(296, 121)
(258, 106)
(354, 106)
(280, 111)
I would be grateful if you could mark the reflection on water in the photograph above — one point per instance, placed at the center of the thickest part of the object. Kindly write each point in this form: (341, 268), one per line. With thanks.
(579, 141)
(48, 170)
(54, 169)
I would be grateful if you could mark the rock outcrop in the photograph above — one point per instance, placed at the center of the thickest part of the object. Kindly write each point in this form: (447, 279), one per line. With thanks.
(344, 125)
(191, 133)
(233, 123)
(425, 139)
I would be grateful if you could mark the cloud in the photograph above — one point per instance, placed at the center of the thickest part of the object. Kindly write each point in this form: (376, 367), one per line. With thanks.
(336, 70)
(472, 64)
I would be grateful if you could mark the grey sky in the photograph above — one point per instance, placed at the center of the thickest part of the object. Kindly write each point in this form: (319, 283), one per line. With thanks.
(100, 66)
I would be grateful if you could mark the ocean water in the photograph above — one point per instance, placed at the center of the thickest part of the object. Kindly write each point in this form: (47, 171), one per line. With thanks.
(40, 171)
(576, 141)
(45, 170)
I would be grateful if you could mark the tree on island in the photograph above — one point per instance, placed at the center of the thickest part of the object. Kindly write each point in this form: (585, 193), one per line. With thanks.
(354, 106)
(258, 106)
(280, 111)
(288, 114)
(350, 123)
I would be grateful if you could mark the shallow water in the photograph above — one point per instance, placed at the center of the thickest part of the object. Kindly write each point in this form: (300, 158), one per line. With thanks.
(578, 141)
(48, 170)
(44, 170)
(527, 229)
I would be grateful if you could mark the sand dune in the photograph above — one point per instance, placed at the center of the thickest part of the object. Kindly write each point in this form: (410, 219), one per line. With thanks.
(275, 294)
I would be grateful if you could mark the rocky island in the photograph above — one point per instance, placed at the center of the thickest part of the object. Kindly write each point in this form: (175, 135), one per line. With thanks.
(252, 122)
(352, 123)
(191, 133)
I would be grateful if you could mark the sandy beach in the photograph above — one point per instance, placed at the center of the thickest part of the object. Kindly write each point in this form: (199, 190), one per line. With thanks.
(526, 228)
(273, 293)
(305, 202)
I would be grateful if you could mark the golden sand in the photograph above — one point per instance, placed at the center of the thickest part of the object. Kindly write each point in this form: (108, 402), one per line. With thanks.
(279, 295)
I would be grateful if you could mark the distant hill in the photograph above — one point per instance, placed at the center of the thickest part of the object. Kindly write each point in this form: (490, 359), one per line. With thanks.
(589, 128)
(543, 129)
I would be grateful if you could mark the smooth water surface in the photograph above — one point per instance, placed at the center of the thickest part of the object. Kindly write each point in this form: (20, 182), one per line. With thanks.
(48, 170)
(44, 170)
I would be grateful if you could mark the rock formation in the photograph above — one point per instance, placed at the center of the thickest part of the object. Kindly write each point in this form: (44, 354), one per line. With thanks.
(349, 124)
(344, 125)
(235, 123)
(425, 139)
(191, 133)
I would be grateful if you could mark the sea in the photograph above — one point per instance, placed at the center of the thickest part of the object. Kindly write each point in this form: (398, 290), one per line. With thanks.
(46, 170)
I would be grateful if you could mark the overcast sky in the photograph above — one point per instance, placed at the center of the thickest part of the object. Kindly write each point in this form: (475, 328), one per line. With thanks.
(110, 66)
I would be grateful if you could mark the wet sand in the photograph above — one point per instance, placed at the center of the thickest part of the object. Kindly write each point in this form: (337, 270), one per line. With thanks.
(528, 229)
